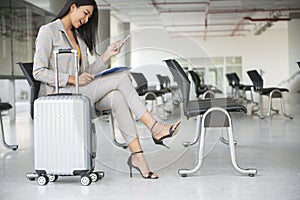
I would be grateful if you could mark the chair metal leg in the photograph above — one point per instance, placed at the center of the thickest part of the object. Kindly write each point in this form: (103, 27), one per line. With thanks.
(197, 133)
(164, 117)
(270, 109)
(258, 111)
(252, 99)
(210, 94)
(232, 91)
(249, 172)
(269, 106)
(155, 99)
(165, 100)
(225, 141)
(185, 172)
(255, 104)
(273, 109)
(13, 147)
(112, 127)
(236, 93)
(283, 110)
(245, 96)
(254, 110)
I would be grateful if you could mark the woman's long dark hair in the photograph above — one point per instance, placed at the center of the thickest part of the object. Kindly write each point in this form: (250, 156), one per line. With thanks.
(88, 31)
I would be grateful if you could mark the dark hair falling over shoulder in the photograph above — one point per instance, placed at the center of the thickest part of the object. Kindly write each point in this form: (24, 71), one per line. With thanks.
(88, 31)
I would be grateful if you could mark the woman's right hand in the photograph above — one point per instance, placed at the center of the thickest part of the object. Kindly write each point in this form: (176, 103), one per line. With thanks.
(112, 50)
(84, 79)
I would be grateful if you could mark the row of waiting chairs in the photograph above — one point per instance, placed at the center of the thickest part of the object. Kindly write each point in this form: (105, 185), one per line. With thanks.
(239, 91)
(258, 87)
(153, 93)
(210, 113)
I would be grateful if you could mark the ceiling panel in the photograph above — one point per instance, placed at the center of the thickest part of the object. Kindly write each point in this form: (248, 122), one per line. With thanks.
(214, 17)
(223, 18)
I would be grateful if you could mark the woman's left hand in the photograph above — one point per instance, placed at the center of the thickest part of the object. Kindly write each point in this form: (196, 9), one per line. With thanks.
(112, 50)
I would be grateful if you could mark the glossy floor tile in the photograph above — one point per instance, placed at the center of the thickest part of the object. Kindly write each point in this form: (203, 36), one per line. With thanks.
(271, 145)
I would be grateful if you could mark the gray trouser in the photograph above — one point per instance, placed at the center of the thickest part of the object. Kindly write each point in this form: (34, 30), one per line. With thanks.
(115, 91)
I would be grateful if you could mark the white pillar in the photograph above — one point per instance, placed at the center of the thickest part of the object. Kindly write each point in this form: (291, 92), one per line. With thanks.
(55, 6)
(293, 42)
(103, 30)
(124, 58)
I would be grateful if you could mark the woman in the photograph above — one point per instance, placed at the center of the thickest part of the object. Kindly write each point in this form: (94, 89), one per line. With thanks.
(76, 27)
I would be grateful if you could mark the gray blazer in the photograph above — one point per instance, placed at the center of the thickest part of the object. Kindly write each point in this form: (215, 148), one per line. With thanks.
(51, 37)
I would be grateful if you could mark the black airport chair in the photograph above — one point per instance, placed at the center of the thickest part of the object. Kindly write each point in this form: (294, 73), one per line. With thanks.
(236, 86)
(149, 93)
(172, 89)
(207, 91)
(271, 92)
(163, 83)
(210, 113)
(27, 68)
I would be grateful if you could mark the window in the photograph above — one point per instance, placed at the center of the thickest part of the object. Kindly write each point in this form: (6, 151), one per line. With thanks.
(213, 70)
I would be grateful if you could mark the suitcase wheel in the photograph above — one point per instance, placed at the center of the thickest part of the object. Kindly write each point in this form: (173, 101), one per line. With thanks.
(85, 180)
(101, 174)
(53, 178)
(43, 180)
(94, 176)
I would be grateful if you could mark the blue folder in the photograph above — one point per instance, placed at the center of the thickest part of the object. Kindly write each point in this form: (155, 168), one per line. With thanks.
(111, 70)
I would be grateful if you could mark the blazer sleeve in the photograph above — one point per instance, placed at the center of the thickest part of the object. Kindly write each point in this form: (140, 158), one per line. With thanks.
(96, 64)
(41, 65)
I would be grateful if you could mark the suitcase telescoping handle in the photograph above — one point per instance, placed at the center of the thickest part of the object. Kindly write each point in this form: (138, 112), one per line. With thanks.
(76, 67)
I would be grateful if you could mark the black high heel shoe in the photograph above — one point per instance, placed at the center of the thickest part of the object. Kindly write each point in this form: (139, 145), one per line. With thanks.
(129, 162)
(171, 133)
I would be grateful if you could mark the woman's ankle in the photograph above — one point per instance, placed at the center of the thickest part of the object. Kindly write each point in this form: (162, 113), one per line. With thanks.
(160, 129)
(163, 129)
(139, 161)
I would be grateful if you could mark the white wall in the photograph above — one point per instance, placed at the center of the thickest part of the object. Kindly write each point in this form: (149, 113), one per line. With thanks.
(151, 46)
(294, 45)
(268, 51)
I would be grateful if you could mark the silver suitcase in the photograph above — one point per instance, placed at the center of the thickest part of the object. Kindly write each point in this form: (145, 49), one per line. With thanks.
(64, 135)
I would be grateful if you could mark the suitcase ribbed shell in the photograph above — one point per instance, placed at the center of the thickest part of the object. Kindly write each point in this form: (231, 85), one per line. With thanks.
(63, 134)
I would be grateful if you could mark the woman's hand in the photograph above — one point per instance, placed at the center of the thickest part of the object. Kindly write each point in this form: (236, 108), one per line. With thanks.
(84, 79)
(112, 50)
